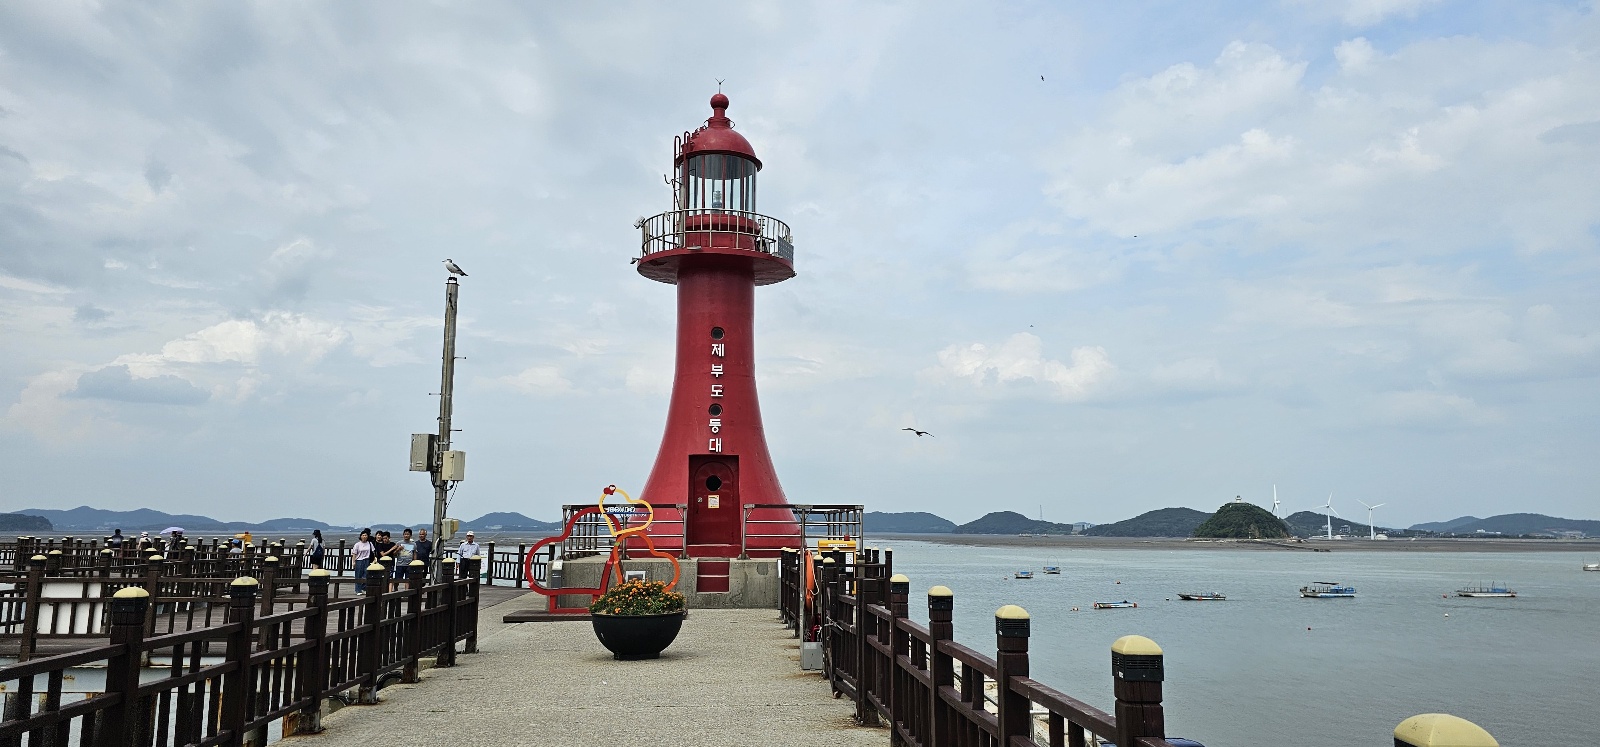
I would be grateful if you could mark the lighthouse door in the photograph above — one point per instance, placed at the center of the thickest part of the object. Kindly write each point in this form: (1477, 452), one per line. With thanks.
(713, 505)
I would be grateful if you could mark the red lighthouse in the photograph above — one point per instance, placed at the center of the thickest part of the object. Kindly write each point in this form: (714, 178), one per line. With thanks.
(716, 248)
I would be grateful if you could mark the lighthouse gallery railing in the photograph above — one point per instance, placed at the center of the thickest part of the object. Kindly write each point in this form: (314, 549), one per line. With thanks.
(700, 227)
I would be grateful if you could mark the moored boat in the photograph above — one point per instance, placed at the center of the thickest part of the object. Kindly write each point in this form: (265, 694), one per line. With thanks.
(1212, 597)
(1327, 590)
(1487, 590)
(1122, 605)
(1052, 570)
(1591, 566)
(1024, 574)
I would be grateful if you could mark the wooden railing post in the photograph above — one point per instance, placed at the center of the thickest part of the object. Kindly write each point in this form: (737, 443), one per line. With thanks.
(1012, 627)
(1137, 669)
(368, 656)
(866, 662)
(899, 645)
(52, 562)
(31, 612)
(522, 562)
(827, 592)
(238, 686)
(941, 613)
(339, 567)
(119, 724)
(269, 578)
(416, 578)
(312, 667)
(447, 576)
(490, 569)
(473, 566)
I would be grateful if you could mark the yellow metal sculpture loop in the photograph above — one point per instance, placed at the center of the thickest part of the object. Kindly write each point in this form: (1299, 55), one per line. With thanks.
(620, 536)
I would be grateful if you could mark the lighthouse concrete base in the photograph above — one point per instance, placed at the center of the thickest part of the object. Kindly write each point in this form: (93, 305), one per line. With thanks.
(752, 584)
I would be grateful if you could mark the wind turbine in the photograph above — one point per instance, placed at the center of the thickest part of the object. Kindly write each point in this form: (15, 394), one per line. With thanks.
(1372, 531)
(1275, 501)
(1330, 513)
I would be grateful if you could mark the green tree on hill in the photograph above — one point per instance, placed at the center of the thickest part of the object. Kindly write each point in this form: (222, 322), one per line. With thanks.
(1242, 521)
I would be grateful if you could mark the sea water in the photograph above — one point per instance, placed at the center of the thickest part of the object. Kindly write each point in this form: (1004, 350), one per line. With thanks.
(1268, 667)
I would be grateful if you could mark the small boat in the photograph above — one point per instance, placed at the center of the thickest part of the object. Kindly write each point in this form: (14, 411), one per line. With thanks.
(1052, 570)
(1591, 566)
(1122, 605)
(1212, 597)
(1024, 574)
(1327, 590)
(1487, 590)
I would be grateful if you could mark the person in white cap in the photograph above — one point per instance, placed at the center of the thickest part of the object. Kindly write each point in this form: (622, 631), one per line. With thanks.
(468, 548)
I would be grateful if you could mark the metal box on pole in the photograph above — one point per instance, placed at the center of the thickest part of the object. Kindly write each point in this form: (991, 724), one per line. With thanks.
(422, 451)
(453, 467)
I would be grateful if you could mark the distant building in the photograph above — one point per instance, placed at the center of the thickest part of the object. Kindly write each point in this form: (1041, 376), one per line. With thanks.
(1079, 527)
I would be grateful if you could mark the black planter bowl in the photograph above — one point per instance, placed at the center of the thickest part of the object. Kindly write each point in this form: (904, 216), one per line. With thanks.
(634, 637)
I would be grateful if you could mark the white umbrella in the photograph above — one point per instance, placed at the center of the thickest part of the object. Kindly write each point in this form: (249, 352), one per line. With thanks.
(170, 530)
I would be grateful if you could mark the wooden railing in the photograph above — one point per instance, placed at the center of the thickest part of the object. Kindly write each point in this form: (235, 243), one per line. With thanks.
(932, 691)
(224, 684)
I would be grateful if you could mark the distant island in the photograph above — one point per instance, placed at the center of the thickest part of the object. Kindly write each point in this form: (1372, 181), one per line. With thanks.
(1239, 520)
(86, 518)
(24, 523)
(1227, 522)
(1239, 516)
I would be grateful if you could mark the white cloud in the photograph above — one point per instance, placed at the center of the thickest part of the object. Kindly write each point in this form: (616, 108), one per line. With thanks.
(1189, 374)
(1034, 257)
(1021, 359)
(1398, 147)
(543, 380)
(1430, 408)
(1371, 12)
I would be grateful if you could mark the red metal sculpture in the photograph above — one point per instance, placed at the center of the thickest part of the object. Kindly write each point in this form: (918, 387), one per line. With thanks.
(611, 573)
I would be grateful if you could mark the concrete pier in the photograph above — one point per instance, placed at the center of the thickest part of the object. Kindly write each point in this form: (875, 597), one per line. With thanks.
(731, 678)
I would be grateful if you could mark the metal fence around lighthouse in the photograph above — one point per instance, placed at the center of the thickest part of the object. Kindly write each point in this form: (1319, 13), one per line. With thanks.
(816, 522)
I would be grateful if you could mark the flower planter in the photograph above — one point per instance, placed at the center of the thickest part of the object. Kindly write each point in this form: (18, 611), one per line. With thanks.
(634, 637)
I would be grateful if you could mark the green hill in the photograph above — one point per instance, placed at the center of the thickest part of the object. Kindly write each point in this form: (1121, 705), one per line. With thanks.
(1238, 520)
(911, 522)
(1313, 524)
(1162, 522)
(1526, 524)
(1011, 522)
(24, 523)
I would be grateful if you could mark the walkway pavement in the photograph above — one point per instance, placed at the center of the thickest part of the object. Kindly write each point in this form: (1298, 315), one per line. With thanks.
(731, 678)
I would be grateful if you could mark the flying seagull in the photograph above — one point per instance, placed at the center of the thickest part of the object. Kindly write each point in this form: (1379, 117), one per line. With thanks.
(453, 267)
(920, 434)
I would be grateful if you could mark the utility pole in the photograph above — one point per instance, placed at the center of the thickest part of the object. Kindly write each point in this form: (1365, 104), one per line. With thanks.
(447, 382)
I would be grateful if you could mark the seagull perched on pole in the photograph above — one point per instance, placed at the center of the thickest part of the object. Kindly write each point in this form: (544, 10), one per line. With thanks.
(920, 434)
(454, 268)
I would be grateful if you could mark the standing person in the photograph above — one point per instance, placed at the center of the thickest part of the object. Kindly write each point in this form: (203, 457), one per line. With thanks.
(317, 548)
(385, 548)
(423, 550)
(468, 548)
(360, 556)
(115, 542)
(407, 551)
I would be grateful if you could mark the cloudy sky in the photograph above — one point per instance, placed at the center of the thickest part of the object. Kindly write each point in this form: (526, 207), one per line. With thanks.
(1115, 256)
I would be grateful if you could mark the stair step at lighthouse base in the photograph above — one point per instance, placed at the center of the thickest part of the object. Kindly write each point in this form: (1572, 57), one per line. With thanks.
(711, 575)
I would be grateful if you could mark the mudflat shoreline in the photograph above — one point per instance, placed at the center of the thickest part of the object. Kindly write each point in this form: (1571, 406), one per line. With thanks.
(1590, 546)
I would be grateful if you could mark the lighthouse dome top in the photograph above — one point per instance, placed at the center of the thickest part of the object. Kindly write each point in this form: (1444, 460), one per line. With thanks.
(716, 136)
